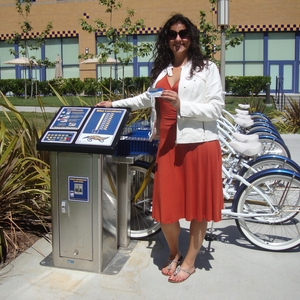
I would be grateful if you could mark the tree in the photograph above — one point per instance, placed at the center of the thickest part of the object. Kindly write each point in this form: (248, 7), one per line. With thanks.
(24, 43)
(210, 35)
(117, 40)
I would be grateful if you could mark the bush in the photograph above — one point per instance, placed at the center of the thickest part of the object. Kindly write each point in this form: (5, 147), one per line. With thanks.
(288, 120)
(16, 86)
(237, 85)
(91, 86)
(246, 85)
(136, 85)
(44, 88)
(73, 86)
(25, 202)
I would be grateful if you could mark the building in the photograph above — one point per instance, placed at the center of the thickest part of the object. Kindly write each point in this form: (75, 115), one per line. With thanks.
(271, 43)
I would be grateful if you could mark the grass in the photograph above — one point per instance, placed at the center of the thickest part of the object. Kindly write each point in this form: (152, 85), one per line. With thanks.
(258, 102)
(33, 117)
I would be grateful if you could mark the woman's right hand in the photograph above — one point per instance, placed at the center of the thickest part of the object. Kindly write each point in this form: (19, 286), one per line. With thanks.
(106, 104)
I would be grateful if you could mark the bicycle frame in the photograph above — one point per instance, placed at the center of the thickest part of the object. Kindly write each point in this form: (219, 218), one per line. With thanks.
(230, 211)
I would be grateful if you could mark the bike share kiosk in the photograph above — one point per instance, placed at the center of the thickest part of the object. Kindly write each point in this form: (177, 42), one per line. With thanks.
(84, 220)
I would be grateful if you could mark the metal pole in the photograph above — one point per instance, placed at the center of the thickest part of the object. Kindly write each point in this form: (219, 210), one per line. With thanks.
(223, 22)
(123, 210)
(223, 38)
(268, 93)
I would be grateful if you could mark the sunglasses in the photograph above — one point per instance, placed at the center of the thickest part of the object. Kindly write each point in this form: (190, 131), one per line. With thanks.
(183, 34)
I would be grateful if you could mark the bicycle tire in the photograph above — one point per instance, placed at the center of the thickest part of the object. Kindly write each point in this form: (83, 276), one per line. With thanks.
(280, 231)
(142, 225)
(273, 145)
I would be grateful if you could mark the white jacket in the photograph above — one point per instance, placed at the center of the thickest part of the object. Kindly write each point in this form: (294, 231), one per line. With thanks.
(201, 104)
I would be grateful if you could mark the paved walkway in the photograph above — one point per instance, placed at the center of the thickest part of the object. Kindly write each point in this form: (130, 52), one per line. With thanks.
(36, 109)
(229, 269)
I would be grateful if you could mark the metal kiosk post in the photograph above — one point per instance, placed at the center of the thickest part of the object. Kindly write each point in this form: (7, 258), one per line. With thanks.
(84, 223)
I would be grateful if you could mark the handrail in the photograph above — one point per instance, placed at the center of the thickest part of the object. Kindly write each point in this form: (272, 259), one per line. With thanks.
(280, 97)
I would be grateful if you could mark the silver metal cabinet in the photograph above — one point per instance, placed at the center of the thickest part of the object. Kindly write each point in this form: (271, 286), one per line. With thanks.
(84, 219)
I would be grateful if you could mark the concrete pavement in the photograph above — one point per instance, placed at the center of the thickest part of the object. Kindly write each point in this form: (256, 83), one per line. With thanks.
(36, 109)
(228, 268)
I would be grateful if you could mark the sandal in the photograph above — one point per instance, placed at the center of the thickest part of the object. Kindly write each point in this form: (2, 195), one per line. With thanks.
(178, 269)
(169, 266)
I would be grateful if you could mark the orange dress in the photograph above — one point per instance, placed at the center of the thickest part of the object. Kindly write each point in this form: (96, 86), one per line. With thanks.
(188, 177)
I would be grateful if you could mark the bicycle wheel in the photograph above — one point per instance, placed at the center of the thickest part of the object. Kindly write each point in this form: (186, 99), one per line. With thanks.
(141, 221)
(272, 202)
(272, 145)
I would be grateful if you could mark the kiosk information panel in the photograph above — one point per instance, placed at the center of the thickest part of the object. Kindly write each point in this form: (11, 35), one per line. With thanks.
(84, 129)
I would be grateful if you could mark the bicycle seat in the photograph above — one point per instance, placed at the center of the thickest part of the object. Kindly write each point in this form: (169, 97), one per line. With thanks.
(247, 117)
(246, 149)
(242, 112)
(246, 138)
(244, 122)
(244, 106)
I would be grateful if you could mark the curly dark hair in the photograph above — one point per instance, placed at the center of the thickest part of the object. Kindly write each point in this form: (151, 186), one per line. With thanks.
(162, 53)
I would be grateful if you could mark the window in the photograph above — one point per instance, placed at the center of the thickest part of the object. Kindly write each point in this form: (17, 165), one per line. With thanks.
(281, 46)
(68, 50)
(246, 59)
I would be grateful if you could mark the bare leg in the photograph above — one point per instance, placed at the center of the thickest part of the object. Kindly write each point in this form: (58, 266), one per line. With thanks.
(197, 235)
(171, 232)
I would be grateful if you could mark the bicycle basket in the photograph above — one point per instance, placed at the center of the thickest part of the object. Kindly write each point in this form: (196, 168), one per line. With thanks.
(135, 140)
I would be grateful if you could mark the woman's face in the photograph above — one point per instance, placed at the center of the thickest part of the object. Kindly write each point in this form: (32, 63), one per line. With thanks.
(179, 41)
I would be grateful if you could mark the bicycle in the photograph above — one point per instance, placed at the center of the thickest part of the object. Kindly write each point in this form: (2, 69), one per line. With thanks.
(265, 207)
(264, 203)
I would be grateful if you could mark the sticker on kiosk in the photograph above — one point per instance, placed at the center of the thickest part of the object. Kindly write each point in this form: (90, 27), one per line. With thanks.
(65, 137)
(78, 189)
(70, 118)
(101, 127)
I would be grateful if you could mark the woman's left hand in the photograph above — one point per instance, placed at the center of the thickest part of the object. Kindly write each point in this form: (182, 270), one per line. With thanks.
(171, 97)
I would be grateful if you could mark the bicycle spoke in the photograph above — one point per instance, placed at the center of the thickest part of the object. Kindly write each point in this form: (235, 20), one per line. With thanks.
(141, 221)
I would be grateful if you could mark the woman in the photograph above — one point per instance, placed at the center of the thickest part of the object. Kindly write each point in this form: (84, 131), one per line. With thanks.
(188, 178)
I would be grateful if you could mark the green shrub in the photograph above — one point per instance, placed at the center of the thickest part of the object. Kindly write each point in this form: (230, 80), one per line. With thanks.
(58, 85)
(288, 120)
(44, 88)
(91, 86)
(237, 85)
(73, 86)
(24, 177)
(16, 86)
(246, 85)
